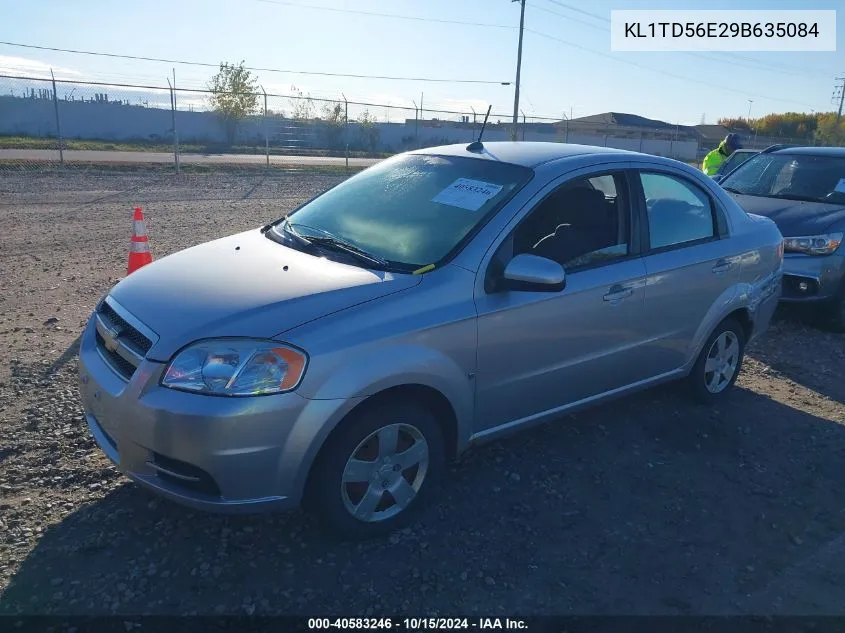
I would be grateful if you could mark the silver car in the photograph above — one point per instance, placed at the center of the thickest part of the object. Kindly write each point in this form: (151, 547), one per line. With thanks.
(337, 357)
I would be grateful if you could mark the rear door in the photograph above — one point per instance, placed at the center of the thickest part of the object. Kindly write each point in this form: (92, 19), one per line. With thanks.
(691, 268)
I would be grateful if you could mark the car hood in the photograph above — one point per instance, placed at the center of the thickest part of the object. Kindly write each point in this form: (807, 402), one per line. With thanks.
(794, 217)
(244, 285)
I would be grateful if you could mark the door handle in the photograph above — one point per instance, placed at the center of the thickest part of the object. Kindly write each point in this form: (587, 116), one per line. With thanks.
(617, 293)
(722, 266)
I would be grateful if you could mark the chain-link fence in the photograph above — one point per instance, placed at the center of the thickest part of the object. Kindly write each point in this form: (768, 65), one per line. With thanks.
(48, 123)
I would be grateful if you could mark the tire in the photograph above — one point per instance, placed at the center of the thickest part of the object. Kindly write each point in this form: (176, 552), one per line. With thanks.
(376, 473)
(702, 382)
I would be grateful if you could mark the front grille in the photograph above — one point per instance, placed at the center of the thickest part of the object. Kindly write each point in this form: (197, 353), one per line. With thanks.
(120, 364)
(117, 322)
(197, 479)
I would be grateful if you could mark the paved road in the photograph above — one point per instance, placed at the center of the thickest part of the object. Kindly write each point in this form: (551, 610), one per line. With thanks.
(99, 156)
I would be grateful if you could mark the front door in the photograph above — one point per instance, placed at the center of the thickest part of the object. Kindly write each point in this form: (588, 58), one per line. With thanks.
(538, 351)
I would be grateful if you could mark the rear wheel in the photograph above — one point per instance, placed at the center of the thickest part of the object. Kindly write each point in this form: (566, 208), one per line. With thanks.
(377, 470)
(719, 363)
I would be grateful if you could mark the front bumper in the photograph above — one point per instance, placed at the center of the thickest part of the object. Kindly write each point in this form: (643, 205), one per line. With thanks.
(812, 278)
(210, 453)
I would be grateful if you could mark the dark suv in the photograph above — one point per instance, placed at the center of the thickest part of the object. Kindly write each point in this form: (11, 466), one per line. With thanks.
(803, 190)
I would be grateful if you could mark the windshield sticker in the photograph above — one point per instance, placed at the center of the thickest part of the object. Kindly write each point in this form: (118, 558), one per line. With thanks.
(840, 186)
(467, 194)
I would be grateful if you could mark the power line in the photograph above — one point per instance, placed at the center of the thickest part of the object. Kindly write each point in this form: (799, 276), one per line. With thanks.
(385, 15)
(577, 10)
(253, 68)
(662, 72)
(758, 64)
(569, 17)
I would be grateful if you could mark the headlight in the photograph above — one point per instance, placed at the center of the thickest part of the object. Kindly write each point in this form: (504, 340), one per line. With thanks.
(813, 245)
(236, 367)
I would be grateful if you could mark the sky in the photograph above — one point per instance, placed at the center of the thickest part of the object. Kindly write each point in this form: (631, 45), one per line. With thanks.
(567, 66)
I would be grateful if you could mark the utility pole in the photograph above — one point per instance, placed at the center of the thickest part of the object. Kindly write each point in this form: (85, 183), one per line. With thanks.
(748, 119)
(58, 122)
(518, 68)
(173, 116)
(416, 122)
(841, 99)
(266, 131)
(175, 129)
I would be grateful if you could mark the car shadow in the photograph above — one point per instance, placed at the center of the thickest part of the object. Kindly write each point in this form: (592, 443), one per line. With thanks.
(71, 353)
(796, 349)
(646, 505)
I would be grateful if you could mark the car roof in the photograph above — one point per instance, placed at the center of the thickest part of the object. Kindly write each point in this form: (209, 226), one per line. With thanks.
(526, 154)
(812, 151)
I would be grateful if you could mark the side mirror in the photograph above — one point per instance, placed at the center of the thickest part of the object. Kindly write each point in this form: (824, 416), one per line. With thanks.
(534, 274)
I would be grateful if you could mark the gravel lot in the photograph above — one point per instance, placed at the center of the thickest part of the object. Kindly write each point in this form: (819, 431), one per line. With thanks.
(648, 505)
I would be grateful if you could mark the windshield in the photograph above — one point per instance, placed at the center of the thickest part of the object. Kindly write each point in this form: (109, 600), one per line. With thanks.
(410, 210)
(815, 178)
(734, 160)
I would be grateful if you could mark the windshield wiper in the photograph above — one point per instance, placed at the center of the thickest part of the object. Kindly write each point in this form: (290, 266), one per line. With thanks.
(289, 230)
(332, 240)
(732, 190)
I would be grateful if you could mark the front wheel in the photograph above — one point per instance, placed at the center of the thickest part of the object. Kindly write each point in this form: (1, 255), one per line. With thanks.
(377, 470)
(719, 363)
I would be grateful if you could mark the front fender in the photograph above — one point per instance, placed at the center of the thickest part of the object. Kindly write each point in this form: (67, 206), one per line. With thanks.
(405, 364)
(353, 383)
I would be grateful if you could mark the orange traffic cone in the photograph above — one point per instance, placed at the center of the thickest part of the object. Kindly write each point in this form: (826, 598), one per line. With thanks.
(139, 245)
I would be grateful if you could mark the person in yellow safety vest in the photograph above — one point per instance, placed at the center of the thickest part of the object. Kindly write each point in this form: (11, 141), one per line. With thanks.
(714, 159)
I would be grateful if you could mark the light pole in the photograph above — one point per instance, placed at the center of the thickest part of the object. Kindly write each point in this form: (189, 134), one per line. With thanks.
(518, 68)
(748, 120)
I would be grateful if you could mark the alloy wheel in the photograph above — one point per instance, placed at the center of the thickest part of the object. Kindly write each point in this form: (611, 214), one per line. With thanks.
(385, 472)
(722, 361)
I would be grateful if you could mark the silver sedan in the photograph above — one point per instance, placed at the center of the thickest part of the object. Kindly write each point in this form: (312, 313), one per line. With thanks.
(337, 357)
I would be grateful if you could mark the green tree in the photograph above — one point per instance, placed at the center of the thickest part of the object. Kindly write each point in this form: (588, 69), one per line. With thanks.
(334, 119)
(302, 106)
(734, 124)
(790, 125)
(234, 96)
(370, 134)
(828, 132)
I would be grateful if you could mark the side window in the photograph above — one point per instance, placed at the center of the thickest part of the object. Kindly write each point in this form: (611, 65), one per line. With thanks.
(678, 211)
(606, 184)
(582, 223)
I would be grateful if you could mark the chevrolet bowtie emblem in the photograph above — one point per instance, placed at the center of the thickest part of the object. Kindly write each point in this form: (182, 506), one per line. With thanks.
(110, 339)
